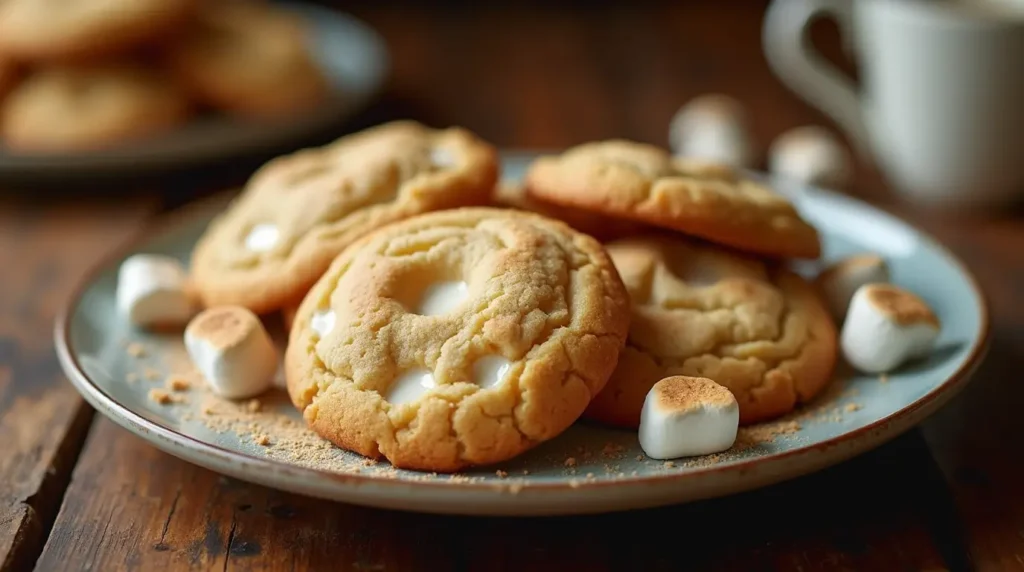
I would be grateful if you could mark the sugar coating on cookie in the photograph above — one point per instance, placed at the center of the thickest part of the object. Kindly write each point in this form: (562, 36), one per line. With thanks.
(299, 211)
(90, 107)
(700, 198)
(699, 311)
(462, 337)
(31, 30)
(249, 57)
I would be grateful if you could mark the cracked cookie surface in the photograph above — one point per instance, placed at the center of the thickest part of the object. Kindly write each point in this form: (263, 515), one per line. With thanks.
(699, 311)
(299, 211)
(645, 183)
(457, 338)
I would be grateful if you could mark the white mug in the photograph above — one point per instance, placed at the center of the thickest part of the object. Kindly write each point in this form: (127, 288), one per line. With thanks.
(940, 107)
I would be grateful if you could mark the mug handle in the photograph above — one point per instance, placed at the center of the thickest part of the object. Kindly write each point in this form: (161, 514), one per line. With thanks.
(805, 71)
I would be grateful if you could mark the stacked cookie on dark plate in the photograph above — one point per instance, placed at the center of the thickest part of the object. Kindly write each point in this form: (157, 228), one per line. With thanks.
(86, 75)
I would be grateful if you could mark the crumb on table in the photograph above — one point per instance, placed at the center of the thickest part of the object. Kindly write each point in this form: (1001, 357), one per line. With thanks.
(177, 383)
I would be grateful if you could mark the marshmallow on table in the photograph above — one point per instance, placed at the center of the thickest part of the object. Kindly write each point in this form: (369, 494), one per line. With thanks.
(714, 128)
(810, 155)
(232, 351)
(886, 326)
(688, 416)
(838, 282)
(152, 290)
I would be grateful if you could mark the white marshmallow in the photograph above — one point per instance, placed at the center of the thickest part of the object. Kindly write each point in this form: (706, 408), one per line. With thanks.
(233, 351)
(410, 386)
(838, 282)
(489, 371)
(714, 128)
(152, 291)
(688, 416)
(810, 155)
(262, 237)
(442, 297)
(886, 326)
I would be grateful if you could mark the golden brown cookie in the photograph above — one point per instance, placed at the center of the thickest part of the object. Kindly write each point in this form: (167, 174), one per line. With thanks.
(512, 194)
(644, 183)
(250, 58)
(35, 30)
(701, 311)
(89, 107)
(299, 211)
(457, 338)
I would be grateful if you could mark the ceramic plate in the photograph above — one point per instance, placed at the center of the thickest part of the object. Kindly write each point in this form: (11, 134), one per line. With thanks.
(588, 468)
(352, 56)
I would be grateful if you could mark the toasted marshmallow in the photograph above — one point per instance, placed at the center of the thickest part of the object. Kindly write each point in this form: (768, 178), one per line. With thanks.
(232, 350)
(714, 128)
(810, 155)
(688, 416)
(152, 290)
(838, 282)
(886, 326)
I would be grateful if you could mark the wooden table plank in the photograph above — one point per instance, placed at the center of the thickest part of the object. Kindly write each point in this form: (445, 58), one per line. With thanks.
(43, 421)
(130, 506)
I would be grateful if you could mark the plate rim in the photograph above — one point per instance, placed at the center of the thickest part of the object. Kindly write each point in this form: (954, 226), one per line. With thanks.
(153, 431)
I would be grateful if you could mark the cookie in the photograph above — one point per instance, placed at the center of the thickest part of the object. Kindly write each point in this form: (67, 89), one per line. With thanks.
(642, 182)
(457, 338)
(36, 31)
(248, 57)
(89, 107)
(299, 211)
(700, 311)
(512, 194)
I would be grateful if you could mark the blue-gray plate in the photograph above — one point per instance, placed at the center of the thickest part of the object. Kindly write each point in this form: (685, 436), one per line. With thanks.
(588, 468)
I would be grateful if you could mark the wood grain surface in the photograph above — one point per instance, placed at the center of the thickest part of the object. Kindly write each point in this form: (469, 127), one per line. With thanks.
(945, 497)
(44, 249)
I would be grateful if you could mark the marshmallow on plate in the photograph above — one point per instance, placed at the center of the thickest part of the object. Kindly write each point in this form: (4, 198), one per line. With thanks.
(839, 281)
(688, 416)
(810, 155)
(152, 290)
(233, 351)
(712, 127)
(886, 326)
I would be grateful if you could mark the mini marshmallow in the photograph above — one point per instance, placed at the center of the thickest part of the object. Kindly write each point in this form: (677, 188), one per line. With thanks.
(688, 416)
(233, 351)
(838, 282)
(885, 327)
(713, 128)
(152, 291)
(810, 155)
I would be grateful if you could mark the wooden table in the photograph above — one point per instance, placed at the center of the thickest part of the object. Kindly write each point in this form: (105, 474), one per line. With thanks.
(76, 492)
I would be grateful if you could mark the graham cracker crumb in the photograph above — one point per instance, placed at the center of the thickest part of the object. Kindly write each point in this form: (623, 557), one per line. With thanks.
(570, 462)
(162, 397)
(136, 350)
(639, 457)
(253, 405)
(611, 449)
(263, 440)
(177, 383)
(851, 407)
(500, 474)
(669, 464)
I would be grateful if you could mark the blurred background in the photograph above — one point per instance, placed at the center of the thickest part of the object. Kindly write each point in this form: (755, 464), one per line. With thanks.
(554, 74)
